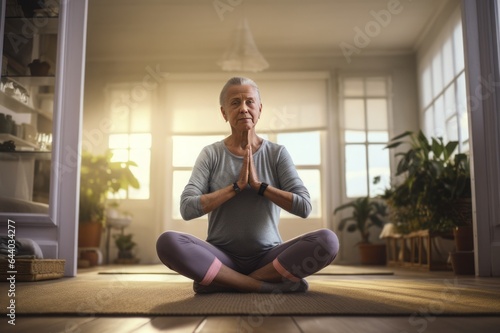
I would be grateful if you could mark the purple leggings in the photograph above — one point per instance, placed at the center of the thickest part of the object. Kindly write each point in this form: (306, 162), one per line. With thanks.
(201, 261)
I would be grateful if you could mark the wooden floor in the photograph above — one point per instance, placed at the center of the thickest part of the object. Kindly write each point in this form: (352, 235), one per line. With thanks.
(275, 324)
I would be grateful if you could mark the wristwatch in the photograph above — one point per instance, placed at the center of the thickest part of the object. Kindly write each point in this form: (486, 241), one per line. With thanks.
(262, 188)
(236, 188)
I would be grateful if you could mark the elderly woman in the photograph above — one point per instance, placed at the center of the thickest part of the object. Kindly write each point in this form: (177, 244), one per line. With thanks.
(242, 182)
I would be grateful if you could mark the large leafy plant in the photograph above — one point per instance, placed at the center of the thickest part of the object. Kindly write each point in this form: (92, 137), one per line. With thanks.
(365, 213)
(434, 179)
(99, 177)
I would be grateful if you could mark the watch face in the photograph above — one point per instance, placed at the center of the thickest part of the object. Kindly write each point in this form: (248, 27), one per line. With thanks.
(236, 187)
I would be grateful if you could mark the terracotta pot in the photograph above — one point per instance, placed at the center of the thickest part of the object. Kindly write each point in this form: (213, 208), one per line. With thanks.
(463, 211)
(89, 234)
(90, 256)
(373, 254)
(463, 262)
(464, 238)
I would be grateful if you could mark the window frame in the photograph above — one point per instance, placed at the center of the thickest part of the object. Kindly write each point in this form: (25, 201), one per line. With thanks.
(366, 143)
(130, 100)
(429, 109)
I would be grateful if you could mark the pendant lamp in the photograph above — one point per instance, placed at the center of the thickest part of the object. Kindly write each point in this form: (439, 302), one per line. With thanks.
(242, 54)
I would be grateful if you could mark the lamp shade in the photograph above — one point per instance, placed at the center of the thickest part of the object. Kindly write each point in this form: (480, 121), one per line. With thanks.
(242, 54)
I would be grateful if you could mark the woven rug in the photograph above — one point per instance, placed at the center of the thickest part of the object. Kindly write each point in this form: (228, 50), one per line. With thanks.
(329, 270)
(117, 295)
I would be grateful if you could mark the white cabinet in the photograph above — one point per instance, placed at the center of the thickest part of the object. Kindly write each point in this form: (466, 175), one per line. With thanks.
(41, 94)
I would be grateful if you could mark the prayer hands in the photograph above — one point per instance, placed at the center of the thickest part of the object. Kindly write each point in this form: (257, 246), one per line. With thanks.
(248, 173)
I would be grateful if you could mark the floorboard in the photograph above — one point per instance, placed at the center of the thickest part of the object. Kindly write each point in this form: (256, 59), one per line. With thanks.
(248, 324)
(398, 324)
(171, 325)
(223, 324)
(112, 325)
(44, 324)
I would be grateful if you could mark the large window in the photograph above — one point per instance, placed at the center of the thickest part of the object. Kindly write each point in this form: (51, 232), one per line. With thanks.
(443, 89)
(294, 115)
(130, 136)
(365, 110)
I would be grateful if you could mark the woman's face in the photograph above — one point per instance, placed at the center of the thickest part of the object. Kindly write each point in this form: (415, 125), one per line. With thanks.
(241, 107)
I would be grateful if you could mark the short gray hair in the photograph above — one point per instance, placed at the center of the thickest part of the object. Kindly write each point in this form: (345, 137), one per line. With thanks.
(237, 81)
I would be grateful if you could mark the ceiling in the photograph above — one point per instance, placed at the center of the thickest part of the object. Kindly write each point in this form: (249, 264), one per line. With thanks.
(129, 30)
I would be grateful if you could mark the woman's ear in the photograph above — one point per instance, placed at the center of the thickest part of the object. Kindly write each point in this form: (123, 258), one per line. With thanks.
(223, 113)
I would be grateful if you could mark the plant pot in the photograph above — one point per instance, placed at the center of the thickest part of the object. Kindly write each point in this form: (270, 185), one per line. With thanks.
(373, 254)
(38, 68)
(463, 211)
(464, 238)
(118, 222)
(89, 234)
(125, 254)
(91, 256)
(463, 262)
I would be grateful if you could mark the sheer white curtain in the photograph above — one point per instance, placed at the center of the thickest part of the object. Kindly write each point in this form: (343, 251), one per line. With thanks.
(290, 102)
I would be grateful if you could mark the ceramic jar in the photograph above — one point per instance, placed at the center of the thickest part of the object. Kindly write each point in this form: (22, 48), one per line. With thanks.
(3, 123)
(8, 124)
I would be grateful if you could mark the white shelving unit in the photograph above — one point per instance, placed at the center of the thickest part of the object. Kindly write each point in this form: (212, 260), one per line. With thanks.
(57, 36)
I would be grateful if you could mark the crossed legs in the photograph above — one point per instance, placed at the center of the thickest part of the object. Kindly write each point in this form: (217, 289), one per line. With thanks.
(281, 269)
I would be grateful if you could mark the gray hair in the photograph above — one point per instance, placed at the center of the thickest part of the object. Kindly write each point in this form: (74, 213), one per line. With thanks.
(237, 81)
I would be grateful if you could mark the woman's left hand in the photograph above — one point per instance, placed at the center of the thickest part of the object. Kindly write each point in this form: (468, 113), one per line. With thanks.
(253, 178)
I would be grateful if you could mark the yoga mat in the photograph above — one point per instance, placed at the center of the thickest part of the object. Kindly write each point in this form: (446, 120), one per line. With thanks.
(124, 295)
(329, 270)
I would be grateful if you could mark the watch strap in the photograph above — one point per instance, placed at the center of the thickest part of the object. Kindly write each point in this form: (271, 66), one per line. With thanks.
(263, 187)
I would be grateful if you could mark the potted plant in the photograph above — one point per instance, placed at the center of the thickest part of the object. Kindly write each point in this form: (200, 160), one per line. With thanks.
(99, 177)
(125, 245)
(366, 213)
(434, 189)
(459, 209)
(433, 178)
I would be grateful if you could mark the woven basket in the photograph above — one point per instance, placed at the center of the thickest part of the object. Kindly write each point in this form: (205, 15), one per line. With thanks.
(33, 269)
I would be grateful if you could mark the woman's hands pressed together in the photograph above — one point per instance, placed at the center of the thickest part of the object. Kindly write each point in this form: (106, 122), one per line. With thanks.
(248, 173)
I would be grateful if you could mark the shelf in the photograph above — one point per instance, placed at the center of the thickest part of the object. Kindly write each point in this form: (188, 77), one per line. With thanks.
(36, 154)
(18, 107)
(18, 141)
(41, 25)
(31, 81)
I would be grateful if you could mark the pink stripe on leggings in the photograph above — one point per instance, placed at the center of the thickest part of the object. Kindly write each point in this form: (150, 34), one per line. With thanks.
(286, 274)
(212, 272)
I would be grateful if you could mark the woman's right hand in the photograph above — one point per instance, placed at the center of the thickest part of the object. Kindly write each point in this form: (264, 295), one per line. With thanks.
(245, 169)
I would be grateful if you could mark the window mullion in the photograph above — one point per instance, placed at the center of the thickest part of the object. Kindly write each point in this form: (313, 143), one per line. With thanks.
(367, 163)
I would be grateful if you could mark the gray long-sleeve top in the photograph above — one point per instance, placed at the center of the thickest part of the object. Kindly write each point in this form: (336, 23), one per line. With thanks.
(247, 224)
